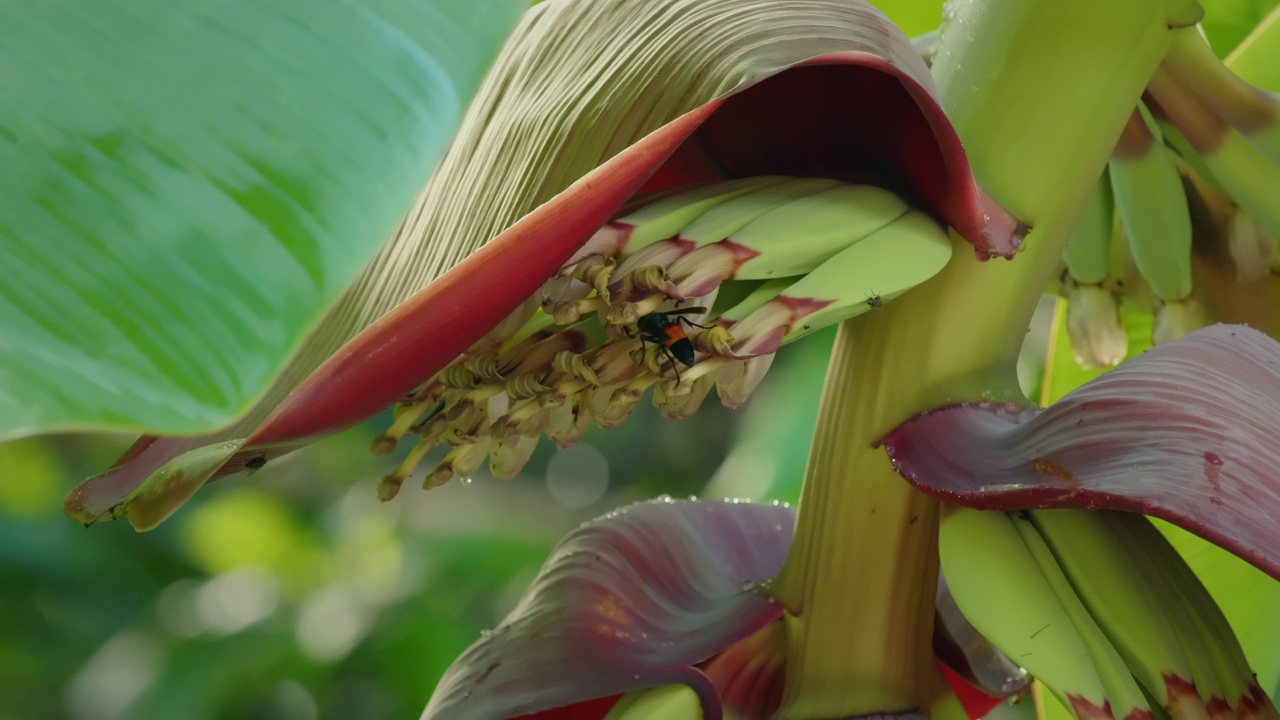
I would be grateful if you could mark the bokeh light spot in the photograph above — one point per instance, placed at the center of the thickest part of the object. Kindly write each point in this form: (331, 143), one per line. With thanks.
(245, 526)
(331, 623)
(578, 477)
(122, 669)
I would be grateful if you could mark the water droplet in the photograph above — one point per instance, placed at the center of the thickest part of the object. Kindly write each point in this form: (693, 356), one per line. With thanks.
(465, 480)
(486, 633)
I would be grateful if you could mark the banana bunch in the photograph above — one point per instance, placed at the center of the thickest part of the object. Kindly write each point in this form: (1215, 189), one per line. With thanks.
(1101, 609)
(1192, 181)
(639, 307)
(1092, 290)
(1157, 221)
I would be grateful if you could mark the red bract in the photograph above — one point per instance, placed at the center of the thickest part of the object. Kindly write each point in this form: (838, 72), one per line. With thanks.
(820, 89)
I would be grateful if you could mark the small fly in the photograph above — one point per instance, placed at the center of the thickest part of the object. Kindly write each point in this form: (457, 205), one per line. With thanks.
(665, 329)
(875, 301)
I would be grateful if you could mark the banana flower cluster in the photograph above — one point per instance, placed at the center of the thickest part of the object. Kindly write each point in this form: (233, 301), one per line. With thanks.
(1182, 223)
(662, 193)
(707, 106)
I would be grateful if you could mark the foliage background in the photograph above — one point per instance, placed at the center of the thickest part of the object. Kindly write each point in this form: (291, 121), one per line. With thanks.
(294, 594)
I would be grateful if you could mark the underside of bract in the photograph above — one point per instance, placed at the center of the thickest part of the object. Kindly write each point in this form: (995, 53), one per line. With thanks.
(1184, 432)
(632, 600)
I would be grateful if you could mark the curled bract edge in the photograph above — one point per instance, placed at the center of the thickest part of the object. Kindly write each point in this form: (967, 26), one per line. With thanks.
(1184, 432)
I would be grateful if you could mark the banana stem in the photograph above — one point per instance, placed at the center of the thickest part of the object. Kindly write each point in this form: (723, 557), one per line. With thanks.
(835, 585)
(1045, 89)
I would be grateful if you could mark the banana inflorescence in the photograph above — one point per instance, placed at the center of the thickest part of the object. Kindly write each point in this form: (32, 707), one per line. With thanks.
(1192, 179)
(694, 289)
(1102, 610)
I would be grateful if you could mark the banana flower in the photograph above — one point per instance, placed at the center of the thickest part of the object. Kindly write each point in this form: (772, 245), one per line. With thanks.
(676, 592)
(1102, 610)
(544, 159)
(600, 126)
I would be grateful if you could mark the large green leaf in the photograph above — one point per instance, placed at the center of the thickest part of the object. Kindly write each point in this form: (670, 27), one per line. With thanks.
(188, 185)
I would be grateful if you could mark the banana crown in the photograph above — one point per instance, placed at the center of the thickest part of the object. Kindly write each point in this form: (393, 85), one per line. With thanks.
(692, 291)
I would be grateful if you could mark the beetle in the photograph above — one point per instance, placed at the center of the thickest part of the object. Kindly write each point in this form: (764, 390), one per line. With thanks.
(665, 329)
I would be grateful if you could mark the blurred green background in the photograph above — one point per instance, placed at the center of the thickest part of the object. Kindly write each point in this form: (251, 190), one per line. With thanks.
(294, 594)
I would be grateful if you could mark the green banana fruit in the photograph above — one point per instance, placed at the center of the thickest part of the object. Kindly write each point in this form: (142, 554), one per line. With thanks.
(876, 269)
(1204, 652)
(1153, 208)
(729, 217)
(794, 238)
(1132, 611)
(860, 278)
(1247, 174)
(1233, 678)
(1251, 110)
(1249, 178)
(1088, 252)
(1123, 692)
(665, 217)
(787, 239)
(761, 294)
(1098, 338)
(1184, 151)
(999, 586)
(664, 702)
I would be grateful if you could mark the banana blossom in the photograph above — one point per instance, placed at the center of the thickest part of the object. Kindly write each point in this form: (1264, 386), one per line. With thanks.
(672, 594)
(543, 160)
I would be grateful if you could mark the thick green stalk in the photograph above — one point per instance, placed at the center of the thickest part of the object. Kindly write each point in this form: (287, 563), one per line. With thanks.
(1039, 92)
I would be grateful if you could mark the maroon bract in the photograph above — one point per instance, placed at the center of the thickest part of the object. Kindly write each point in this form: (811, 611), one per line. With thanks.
(633, 600)
(656, 593)
(1185, 432)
